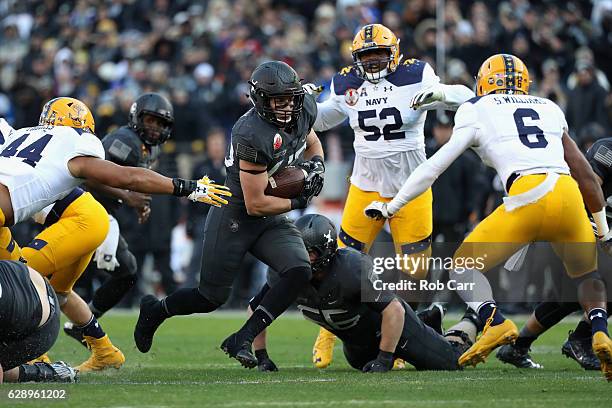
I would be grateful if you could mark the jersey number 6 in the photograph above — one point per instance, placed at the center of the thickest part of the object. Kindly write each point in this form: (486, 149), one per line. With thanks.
(524, 131)
(387, 130)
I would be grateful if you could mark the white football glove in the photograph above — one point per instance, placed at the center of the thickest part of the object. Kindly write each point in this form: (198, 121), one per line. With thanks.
(425, 99)
(209, 193)
(312, 89)
(377, 210)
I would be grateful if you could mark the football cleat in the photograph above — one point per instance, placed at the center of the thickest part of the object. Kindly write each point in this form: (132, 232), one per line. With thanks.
(323, 350)
(75, 332)
(581, 350)
(518, 357)
(491, 338)
(147, 324)
(103, 355)
(433, 316)
(41, 359)
(602, 346)
(240, 349)
(399, 364)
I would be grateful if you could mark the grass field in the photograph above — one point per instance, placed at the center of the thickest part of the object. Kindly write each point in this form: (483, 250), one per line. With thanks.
(186, 368)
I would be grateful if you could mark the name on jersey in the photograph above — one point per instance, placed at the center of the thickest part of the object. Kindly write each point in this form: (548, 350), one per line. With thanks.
(511, 99)
(376, 101)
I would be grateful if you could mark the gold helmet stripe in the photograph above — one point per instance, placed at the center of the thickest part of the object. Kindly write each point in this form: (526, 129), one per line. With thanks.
(367, 32)
(509, 71)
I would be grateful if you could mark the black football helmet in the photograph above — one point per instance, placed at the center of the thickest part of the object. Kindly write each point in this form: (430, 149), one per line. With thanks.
(156, 105)
(275, 79)
(319, 235)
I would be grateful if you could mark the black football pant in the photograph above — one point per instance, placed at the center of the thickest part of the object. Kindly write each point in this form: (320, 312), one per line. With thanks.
(420, 346)
(229, 233)
(18, 350)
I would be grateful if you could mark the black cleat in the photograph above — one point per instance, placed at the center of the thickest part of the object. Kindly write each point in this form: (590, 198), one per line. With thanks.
(518, 357)
(581, 350)
(432, 317)
(75, 332)
(148, 322)
(240, 349)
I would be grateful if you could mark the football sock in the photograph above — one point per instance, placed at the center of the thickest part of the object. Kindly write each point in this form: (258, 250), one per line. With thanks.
(583, 330)
(525, 338)
(185, 301)
(549, 314)
(485, 310)
(599, 320)
(277, 300)
(110, 293)
(93, 328)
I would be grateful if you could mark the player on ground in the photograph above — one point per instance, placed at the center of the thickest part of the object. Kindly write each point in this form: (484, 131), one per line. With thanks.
(374, 94)
(579, 342)
(29, 324)
(150, 124)
(59, 154)
(525, 139)
(375, 326)
(272, 135)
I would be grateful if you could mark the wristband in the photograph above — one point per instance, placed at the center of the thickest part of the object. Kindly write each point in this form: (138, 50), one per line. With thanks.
(182, 187)
(317, 158)
(601, 222)
(297, 203)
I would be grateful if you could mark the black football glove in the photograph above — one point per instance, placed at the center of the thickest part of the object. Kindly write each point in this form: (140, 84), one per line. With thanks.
(314, 180)
(382, 363)
(264, 363)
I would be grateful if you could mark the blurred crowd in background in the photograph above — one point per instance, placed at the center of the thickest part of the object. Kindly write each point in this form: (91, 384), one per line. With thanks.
(200, 54)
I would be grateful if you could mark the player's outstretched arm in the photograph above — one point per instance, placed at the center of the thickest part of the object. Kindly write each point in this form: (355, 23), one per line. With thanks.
(448, 97)
(588, 182)
(146, 181)
(390, 333)
(424, 175)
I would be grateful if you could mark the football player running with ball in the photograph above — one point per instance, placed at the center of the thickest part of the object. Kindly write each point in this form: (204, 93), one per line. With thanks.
(525, 139)
(385, 100)
(275, 133)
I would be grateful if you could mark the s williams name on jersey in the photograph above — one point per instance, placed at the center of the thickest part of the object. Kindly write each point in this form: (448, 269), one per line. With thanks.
(257, 141)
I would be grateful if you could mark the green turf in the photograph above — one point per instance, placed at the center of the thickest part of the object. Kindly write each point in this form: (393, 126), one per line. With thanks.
(186, 368)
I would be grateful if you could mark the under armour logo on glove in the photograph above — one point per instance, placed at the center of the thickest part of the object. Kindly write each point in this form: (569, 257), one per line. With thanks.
(208, 192)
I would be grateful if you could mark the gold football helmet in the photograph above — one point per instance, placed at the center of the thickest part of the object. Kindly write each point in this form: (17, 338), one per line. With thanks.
(502, 73)
(66, 111)
(375, 37)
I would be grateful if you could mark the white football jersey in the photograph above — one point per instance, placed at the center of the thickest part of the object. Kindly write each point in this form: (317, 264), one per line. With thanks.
(34, 164)
(389, 141)
(516, 133)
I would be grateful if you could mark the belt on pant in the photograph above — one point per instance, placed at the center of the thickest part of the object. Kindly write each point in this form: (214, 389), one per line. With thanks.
(60, 206)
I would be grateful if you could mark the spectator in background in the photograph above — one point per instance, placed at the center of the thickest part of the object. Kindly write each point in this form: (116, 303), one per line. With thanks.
(586, 102)
(213, 166)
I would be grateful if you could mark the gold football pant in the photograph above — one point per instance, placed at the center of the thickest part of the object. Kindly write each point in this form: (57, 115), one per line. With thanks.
(559, 217)
(411, 226)
(62, 251)
(9, 250)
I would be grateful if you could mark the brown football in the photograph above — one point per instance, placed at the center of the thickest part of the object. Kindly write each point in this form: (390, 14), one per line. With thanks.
(286, 183)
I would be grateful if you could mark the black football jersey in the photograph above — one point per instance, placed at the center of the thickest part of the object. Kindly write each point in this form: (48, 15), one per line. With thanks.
(125, 148)
(20, 308)
(338, 301)
(258, 141)
(600, 159)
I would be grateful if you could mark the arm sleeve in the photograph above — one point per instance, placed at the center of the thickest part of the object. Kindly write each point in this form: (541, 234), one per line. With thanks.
(454, 95)
(329, 113)
(424, 176)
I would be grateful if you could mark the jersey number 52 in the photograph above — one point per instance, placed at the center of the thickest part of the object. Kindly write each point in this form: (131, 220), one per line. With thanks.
(388, 131)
